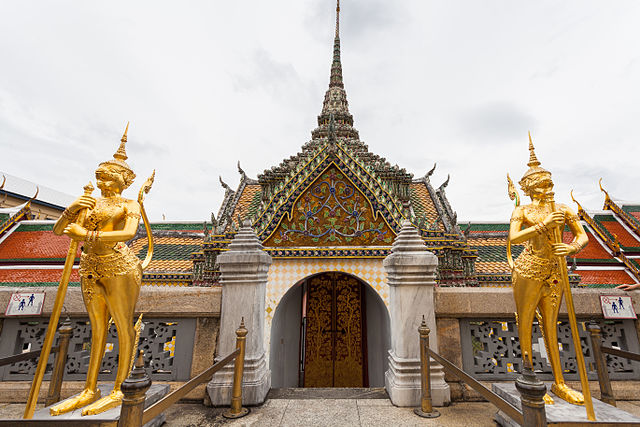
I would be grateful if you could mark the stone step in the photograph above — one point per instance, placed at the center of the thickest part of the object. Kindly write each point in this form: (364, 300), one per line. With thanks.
(328, 393)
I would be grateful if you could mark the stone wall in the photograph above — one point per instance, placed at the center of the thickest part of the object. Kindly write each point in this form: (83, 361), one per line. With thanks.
(456, 304)
(201, 304)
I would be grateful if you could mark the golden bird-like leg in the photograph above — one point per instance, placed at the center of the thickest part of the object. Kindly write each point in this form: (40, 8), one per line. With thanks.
(567, 394)
(86, 397)
(111, 400)
(121, 293)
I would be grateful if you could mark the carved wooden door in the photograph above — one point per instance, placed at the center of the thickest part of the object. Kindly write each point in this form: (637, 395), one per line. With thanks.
(334, 334)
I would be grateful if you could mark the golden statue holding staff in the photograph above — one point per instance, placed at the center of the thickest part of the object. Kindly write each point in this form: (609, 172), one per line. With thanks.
(539, 274)
(110, 272)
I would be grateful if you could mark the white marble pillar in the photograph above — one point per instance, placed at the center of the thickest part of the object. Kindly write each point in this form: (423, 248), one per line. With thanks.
(243, 270)
(411, 271)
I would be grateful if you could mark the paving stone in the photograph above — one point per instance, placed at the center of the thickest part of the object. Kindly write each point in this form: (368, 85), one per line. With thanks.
(321, 412)
(14, 410)
(195, 415)
(375, 402)
(328, 393)
(269, 414)
(632, 407)
(327, 412)
(476, 414)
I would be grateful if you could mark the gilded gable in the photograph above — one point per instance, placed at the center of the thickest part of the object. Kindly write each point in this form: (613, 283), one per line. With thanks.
(332, 211)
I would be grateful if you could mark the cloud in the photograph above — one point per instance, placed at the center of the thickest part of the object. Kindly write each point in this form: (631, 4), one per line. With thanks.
(358, 18)
(207, 83)
(495, 123)
(261, 70)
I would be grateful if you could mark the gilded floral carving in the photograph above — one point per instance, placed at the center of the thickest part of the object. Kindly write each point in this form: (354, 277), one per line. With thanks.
(332, 212)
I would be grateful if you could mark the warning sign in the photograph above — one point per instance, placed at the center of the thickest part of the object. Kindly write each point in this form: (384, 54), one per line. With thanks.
(617, 307)
(25, 304)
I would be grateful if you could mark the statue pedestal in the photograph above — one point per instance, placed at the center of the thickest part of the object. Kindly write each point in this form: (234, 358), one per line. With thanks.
(561, 411)
(155, 393)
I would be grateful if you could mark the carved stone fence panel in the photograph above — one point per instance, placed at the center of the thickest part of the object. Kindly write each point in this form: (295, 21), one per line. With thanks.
(491, 349)
(167, 343)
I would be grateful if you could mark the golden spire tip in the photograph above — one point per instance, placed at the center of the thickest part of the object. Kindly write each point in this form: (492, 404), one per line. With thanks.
(533, 160)
(124, 135)
(121, 154)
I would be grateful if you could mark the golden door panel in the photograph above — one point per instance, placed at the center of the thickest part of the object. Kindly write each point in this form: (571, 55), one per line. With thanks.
(335, 344)
(348, 365)
(318, 347)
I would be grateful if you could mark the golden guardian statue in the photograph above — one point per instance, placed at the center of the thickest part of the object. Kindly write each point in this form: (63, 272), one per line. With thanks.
(111, 276)
(539, 274)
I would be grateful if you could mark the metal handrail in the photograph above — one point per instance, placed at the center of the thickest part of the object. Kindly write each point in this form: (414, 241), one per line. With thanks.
(134, 388)
(8, 360)
(57, 374)
(492, 397)
(531, 389)
(620, 353)
(160, 406)
(606, 390)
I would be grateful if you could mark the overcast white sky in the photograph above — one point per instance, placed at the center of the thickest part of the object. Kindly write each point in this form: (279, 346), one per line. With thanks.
(208, 83)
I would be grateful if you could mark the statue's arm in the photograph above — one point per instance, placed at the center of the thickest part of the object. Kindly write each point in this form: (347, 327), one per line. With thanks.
(60, 225)
(629, 287)
(516, 233)
(71, 213)
(580, 239)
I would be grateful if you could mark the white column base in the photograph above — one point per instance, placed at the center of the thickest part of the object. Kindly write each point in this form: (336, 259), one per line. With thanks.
(256, 383)
(402, 382)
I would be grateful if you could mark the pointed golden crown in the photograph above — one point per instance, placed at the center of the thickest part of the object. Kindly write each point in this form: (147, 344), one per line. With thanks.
(534, 163)
(121, 155)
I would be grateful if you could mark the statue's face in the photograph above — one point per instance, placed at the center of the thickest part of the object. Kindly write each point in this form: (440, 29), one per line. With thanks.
(108, 179)
(542, 188)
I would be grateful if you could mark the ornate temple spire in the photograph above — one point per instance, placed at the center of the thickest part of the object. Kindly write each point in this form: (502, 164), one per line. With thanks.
(338, 20)
(335, 99)
(336, 66)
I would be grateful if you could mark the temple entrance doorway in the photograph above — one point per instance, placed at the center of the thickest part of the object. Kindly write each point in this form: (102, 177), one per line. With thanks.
(329, 330)
(333, 334)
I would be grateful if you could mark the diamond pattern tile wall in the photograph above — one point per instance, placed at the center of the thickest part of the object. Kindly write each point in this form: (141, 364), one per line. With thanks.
(285, 273)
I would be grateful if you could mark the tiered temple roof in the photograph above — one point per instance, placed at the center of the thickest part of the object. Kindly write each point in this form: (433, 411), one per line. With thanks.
(335, 198)
(31, 255)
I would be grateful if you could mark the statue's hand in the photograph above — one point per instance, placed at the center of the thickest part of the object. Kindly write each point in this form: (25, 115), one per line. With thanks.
(629, 287)
(82, 202)
(562, 249)
(554, 219)
(75, 231)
